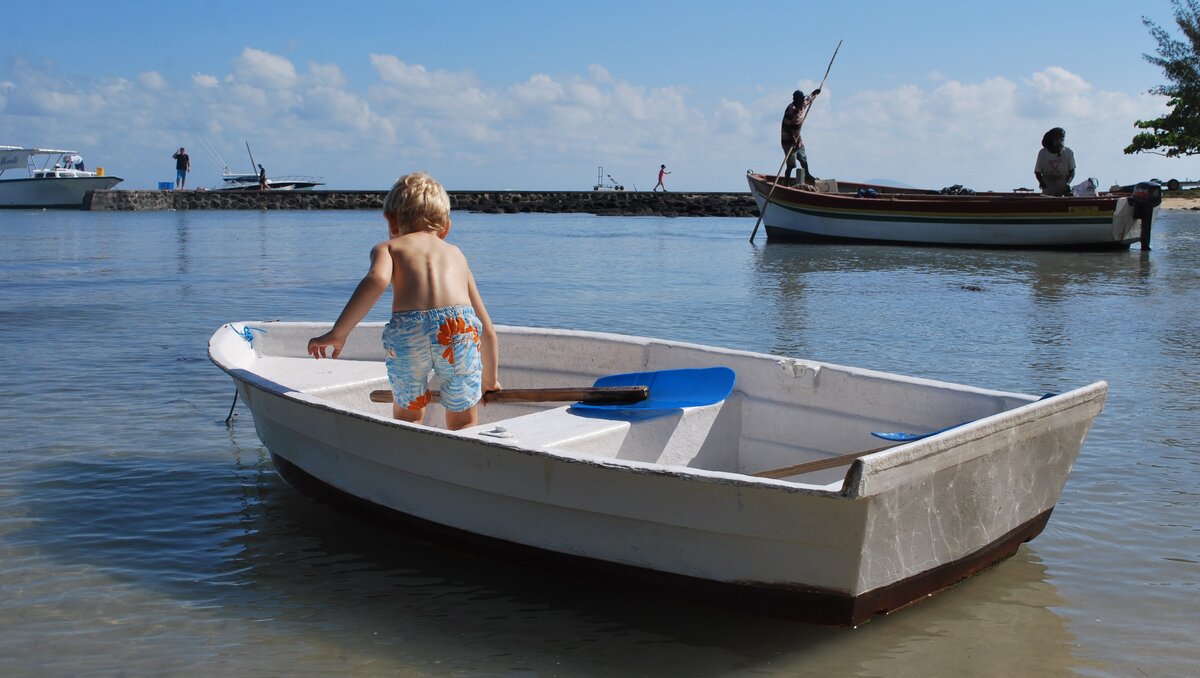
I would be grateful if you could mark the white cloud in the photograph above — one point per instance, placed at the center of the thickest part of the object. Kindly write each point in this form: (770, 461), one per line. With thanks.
(585, 95)
(599, 73)
(538, 90)
(262, 69)
(393, 71)
(984, 135)
(733, 118)
(1056, 91)
(543, 130)
(152, 80)
(326, 75)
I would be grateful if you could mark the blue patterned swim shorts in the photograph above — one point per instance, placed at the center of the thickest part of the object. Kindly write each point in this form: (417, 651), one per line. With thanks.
(443, 340)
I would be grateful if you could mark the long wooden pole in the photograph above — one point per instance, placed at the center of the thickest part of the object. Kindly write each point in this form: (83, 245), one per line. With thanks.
(791, 150)
(587, 394)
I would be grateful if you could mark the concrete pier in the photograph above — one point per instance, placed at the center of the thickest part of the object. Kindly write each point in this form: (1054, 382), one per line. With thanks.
(606, 203)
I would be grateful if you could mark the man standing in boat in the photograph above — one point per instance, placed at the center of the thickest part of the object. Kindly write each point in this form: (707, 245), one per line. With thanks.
(789, 134)
(1055, 166)
(183, 165)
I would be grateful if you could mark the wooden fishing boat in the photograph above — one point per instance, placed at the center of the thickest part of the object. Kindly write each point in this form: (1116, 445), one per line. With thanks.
(838, 211)
(743, 473)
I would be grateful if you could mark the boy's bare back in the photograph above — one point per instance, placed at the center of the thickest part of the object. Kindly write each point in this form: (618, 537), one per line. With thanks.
(427, 273)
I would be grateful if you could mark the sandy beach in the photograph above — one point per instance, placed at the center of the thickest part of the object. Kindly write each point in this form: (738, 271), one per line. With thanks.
(1180, 203)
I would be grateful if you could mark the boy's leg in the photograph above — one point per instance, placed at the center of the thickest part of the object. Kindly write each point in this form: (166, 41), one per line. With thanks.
(465, 419)
(405, 414)
(406, 351)
(457, 361)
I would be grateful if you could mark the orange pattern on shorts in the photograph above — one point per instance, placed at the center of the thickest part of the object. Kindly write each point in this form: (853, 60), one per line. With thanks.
(451, 328)
(419, 402)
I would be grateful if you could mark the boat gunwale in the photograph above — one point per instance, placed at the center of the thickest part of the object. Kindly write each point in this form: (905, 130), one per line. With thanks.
(904, 204)
(94, 177)
(857, 475)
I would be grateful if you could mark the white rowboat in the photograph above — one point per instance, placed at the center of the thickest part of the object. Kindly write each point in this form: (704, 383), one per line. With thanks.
(720, 496)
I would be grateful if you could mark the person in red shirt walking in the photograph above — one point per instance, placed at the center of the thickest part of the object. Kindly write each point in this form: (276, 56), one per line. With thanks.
(662, 171)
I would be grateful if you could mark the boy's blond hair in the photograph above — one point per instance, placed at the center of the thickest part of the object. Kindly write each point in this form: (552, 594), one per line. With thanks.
(418, 202)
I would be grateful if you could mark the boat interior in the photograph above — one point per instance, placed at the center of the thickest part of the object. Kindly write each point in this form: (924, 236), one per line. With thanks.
(782, 412)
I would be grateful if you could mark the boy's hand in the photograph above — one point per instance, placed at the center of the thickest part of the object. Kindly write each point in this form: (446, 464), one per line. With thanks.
(316, 345)
(495, 386)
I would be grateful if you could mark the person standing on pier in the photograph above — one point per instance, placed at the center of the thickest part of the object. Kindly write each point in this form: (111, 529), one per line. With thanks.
(262, 179)
(183, 165)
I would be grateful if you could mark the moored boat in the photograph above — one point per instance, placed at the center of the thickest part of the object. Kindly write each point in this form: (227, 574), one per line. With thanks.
(232, 181)
(47, 177)
(774, 489)
(838, 211)
(249, 182)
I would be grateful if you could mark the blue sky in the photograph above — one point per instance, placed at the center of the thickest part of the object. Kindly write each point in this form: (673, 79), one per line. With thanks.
(537, 95)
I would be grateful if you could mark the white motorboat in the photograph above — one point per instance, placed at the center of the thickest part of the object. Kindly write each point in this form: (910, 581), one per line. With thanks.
(249, 182)
(232, 181)
(47, 177)
(764, 481)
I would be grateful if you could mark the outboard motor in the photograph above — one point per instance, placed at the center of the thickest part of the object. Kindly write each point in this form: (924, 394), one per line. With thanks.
(1146, 196)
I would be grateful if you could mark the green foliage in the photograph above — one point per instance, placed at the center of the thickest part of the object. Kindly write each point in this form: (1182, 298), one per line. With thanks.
(1178, 132)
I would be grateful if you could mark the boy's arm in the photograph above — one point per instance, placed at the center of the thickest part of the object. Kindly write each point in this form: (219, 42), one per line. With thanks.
(489, 350)
(369, 289)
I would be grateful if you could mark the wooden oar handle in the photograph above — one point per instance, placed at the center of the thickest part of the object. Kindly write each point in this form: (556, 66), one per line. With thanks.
(588, 394)
(818, 464)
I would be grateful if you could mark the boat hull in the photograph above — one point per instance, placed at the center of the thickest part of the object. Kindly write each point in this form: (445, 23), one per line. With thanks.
(65, 192)
(272, 186)
(912, 217)
(249, 182)
(675, 496)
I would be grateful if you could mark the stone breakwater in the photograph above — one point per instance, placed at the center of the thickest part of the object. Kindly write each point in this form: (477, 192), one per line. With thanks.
(605, 203)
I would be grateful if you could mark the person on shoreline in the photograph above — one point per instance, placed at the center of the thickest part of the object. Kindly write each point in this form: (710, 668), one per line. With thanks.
(438, 322)
(1055, 166)
(262, 179)
(789, 133)
(183, 165)
(662, 172)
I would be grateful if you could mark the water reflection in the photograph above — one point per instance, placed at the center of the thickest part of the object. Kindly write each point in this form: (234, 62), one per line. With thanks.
(183, 257)
(898, 304)
(251, 549)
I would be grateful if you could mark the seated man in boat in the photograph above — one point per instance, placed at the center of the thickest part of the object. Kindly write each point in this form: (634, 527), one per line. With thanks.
(1055, 166)
(789, 133)
(438, 323)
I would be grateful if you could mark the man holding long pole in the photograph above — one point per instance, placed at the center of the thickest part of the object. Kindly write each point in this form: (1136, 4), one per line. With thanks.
(793, 145)
(789, 134)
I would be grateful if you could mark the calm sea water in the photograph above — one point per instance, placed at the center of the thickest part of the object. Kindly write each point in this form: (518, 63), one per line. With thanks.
(141, 536)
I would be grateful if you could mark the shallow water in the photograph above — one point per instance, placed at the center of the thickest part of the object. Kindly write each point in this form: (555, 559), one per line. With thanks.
(140, 535)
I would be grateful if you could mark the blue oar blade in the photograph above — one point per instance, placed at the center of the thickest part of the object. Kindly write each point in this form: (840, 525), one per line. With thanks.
(669, 389)
(904, 437)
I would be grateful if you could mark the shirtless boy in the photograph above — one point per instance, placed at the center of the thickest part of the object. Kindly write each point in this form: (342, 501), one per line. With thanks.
(438, 320)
